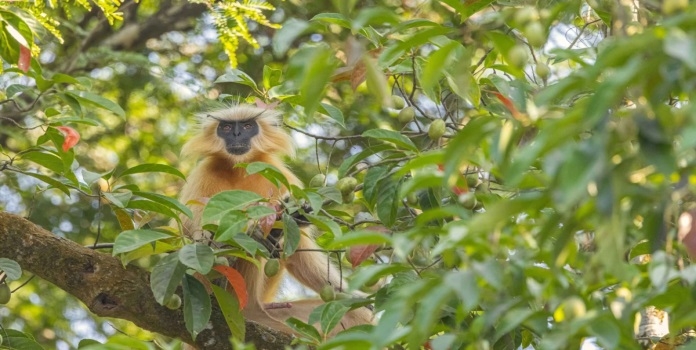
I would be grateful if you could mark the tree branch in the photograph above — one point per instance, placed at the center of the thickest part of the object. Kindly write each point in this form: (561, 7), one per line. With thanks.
(110, 290)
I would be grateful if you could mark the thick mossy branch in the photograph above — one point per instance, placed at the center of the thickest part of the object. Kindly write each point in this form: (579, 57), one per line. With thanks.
(111, 290)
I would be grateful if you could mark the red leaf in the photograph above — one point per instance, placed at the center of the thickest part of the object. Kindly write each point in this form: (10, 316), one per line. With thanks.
(509, 105)
(457, 189)
(236, 281)
(687, 232)
(24, 58)
(266, 222)
(71, 137)
(359, 253)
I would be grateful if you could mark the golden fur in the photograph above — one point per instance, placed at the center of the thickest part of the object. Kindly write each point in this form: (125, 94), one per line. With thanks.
(216, 172)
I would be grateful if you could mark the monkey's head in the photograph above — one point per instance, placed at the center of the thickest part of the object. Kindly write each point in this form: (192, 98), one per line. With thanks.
(241, 134)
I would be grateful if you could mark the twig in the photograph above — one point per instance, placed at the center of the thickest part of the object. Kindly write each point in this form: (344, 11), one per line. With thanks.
(336, 138)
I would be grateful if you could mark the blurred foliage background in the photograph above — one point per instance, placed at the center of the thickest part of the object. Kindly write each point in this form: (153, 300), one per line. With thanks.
(545, 212)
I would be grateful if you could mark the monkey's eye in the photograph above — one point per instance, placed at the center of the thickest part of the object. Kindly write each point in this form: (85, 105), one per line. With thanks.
(247, 126)
(226, 128)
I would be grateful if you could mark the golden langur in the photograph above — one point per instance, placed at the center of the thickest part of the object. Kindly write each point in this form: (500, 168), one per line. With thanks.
(245, 134)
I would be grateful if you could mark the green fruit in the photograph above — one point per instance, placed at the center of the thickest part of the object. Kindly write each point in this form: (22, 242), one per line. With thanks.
(398, 102)
(526, 15)
(271, 268)
(412, 198)
(517, 56)
(472, 180)
(174, 302)
(542, 70)
(407, 114)
(574, 307)
(468, 200)
(436, 129)
(5, 294)
(318, 180)
(535, 34)
(327, 293)
(347, 185)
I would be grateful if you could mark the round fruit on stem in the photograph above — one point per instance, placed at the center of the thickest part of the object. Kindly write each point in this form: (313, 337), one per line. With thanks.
(436, 129)
(271, 268)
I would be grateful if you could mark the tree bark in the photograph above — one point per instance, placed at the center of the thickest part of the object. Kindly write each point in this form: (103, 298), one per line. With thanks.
(109, 289)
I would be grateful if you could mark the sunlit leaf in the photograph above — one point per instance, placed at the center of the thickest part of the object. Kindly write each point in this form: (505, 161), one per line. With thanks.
(129, 240)
(11, 268)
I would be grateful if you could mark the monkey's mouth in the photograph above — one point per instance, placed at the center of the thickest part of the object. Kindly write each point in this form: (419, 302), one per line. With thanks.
(237, 150)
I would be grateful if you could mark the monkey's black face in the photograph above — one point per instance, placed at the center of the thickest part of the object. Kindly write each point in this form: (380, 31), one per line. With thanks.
(238, 135)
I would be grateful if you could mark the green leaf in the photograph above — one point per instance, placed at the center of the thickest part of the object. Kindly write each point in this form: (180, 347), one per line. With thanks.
(237, 76)
(372, 177)
(11, 268)
(387, 200)
(165, 201)
(374, 16)
(153, 168)
(119, 199)
(229, 305)
(72, 102)
(133, 239)
(52, 182)
(99, 101)
(291, 233)
(391, 136)
(436, 64)
(330, 193)
(197, 256)
(65, 79)
(286, 35)
(271, 77)
(360, 237)
(249, 245)
(18, 29)
(325, 224)
(397, 51)
(230, 225)
(332, 18)
(373, 272)
(268, 171)
(166, 276)
(45, 159)
(376, 81)
(330, 315)
(304, 329)
(607, 332)
(197, 306)
(356, 158)
(228, 201)
(153, 207)
(333, 112)
(429, 308)
(464, 284)
(256, 212)
(317, 73)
